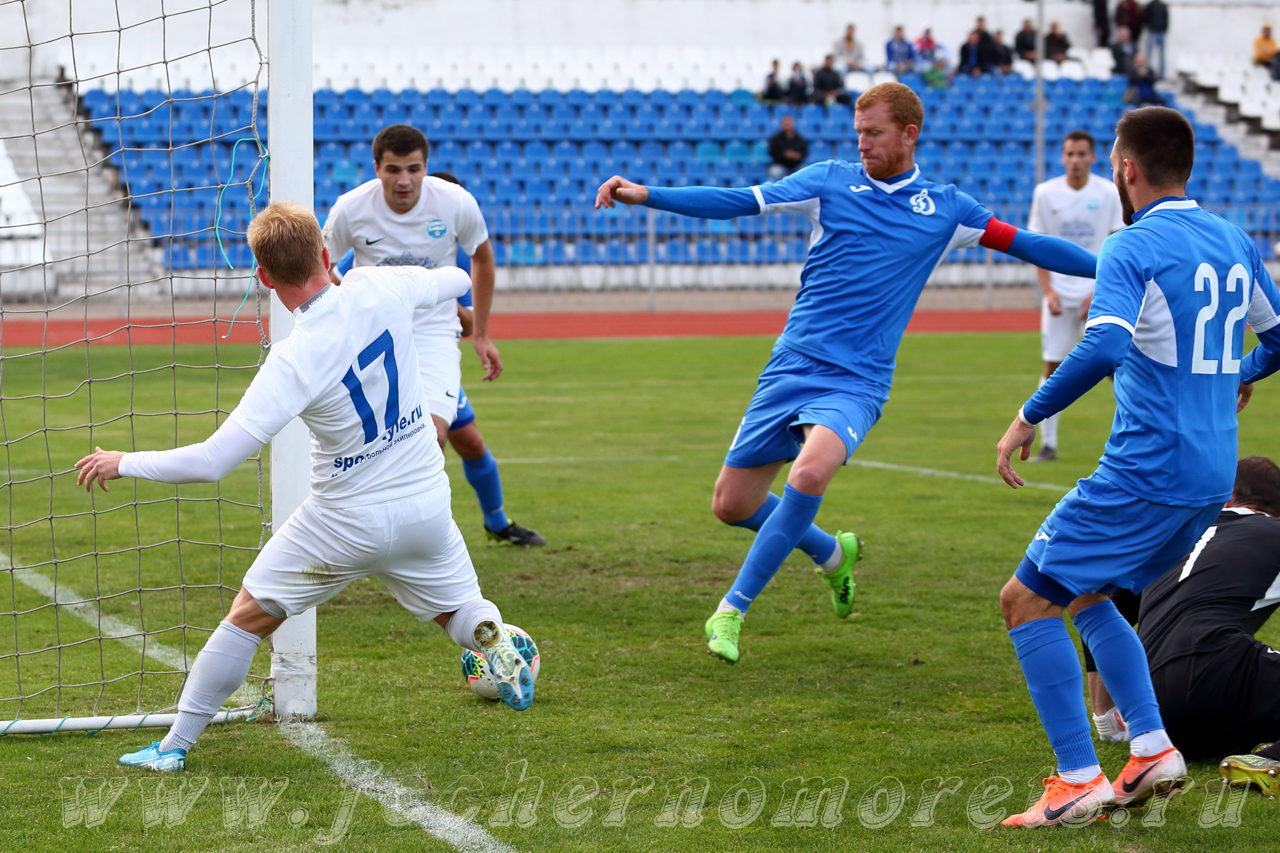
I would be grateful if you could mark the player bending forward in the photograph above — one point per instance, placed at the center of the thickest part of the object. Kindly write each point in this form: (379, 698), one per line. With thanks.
(379, 502)
(879, 229)
(1173, 292)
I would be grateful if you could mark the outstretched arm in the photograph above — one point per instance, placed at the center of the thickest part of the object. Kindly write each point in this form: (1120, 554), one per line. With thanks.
(1093, 359)
(1042, 250)
(206, 462)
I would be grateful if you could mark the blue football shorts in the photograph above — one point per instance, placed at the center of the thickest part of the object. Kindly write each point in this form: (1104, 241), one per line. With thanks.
(466, 415)
(1100, 538)
(795, 390)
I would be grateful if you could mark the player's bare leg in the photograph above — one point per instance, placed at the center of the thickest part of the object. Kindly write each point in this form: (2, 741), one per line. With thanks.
(782, 525)
(481, 470)
(442, 430)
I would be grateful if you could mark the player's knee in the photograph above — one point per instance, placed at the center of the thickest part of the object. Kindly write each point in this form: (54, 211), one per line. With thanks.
(468, 442)
(1009, 600)
(809, 478)
(728, 507)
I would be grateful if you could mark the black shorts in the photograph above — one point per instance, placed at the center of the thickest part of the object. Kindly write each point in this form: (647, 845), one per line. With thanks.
(1221, 703)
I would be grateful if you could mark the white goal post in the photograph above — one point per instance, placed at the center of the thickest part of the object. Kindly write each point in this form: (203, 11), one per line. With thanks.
(106, 600)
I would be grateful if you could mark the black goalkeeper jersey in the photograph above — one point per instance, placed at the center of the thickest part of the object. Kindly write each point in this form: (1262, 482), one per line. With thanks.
(1228, 585)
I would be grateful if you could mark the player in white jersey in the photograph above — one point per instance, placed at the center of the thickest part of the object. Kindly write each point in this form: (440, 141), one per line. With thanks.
(405, 216)
(1084, 208)
(379, 502)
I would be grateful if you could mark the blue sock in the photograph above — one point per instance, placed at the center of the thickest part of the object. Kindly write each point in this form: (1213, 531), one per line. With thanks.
(482, 474)
(1049, 662)
(815, 542)
(777, 538)
(1122, 663)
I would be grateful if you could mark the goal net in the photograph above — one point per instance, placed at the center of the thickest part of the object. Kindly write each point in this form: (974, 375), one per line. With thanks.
(132, 156)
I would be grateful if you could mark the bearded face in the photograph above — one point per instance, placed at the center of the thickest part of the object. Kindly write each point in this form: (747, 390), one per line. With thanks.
(1122, 186)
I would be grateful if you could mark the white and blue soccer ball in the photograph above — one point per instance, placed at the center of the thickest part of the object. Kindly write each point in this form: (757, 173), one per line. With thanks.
(475, 669)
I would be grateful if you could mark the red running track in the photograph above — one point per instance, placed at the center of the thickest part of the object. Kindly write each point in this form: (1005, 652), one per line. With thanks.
(503, 327)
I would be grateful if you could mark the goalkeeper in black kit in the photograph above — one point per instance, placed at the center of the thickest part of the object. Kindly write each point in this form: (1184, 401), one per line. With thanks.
(1218, 687)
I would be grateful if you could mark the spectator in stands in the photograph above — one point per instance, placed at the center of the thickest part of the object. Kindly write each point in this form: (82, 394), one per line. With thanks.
(1122, 52)
(1129, 14)
(797, 86)
(971, 56)
(1264, 47)
(848, 51)
(773, 86)
(1002, 54)
(828, 84)
(787, 149)
(1024, 43)
(1142, 84)
(1101, 23)
(900, 56)
(936, 76)
(1155, 18)
(1056, 43)
(926, 50)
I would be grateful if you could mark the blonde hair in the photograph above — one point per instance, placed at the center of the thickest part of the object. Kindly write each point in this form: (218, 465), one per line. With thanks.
(904, 105)
(286, 241)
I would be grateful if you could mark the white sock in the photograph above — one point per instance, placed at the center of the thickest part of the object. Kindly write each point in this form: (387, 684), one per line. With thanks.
(219, 669)
(1079, 777)
(1150, 743)
(1111, 726)
(833, 562)
(726, 605)
(462, 625)
(1048, 427)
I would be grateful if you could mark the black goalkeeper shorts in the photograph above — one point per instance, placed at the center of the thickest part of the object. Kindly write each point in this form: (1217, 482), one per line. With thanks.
(1221, 703)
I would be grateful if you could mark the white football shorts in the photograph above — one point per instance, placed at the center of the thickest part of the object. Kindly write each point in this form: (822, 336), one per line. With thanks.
(413, 546)
(1059, 334)
(440, 363)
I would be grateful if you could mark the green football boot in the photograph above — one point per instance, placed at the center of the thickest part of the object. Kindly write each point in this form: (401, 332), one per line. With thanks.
(722, 635)
(841, 580)
(1251, 769)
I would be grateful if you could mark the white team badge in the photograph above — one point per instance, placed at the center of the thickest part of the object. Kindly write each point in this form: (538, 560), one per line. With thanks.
(922, 204)
(436, 228)
(859, 189)
(1041, 535)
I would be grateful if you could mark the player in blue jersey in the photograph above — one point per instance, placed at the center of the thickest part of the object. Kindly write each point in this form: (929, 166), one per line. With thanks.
(1173, 292)
(879, 229)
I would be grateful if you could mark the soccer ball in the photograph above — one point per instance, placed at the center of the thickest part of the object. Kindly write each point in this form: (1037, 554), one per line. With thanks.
(475, 669)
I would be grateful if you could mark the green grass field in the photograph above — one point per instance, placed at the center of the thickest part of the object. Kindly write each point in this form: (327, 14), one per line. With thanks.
(609, 448)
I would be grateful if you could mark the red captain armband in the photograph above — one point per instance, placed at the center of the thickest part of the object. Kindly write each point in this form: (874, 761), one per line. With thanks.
(998, 235)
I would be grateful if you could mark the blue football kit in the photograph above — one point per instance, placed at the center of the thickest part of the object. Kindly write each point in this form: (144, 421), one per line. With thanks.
(1173, 293)
(873, 246)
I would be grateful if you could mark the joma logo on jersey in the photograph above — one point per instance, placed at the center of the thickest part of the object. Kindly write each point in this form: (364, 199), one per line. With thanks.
(922, 204)
(436, 228)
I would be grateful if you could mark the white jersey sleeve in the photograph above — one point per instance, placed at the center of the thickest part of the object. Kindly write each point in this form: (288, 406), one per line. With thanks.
(472, 232)
(206, 462)
(277, 395)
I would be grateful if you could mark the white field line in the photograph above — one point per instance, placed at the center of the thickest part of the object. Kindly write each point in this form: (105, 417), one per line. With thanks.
(863, 463)
(113, 628)
(952, 475)
(365, 776)
(459, 832)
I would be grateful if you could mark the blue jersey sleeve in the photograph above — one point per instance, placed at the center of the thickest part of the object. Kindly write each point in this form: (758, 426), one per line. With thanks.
(704, 202)
(795, 193)
(1121, 285)
(465, 299)
(1264, 317)
(347, 262)
(1093, 359)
